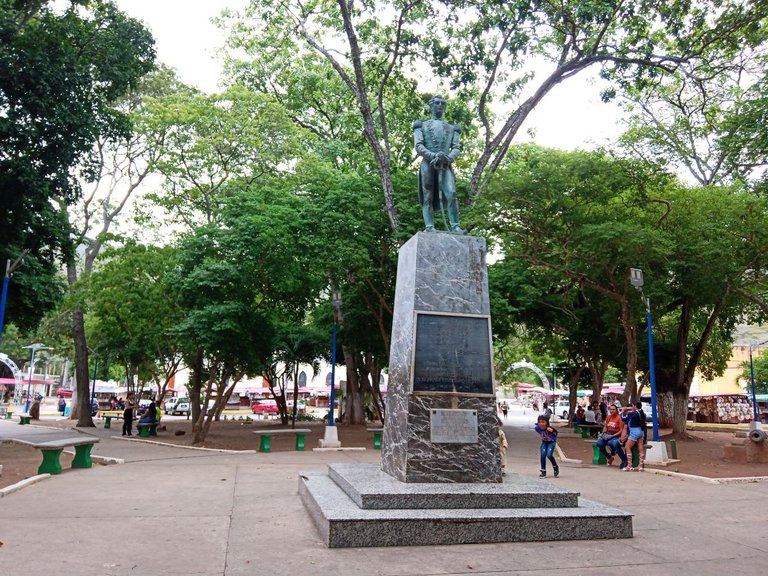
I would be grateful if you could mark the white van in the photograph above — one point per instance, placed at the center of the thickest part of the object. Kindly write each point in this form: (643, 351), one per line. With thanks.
(175, 406)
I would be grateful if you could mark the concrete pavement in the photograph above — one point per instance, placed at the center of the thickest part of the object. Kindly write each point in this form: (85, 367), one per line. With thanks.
(176, 511)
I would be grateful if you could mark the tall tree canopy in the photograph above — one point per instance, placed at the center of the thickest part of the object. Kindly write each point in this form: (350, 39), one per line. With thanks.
(61, 69)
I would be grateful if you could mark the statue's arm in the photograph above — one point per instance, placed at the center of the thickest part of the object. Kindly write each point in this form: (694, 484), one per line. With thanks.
(455, 150)
(418, 142)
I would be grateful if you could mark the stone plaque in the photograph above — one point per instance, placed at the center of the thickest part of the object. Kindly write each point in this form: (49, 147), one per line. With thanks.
(453, 426)
(452, 354)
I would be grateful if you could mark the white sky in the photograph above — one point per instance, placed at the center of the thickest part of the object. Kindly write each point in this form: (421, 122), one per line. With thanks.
(571, 116)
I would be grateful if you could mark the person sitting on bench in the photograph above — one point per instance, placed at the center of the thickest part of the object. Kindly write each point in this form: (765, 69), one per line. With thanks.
(150, 416)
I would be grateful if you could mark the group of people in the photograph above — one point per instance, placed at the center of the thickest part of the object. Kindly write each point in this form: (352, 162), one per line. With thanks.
(593, 413)
(623, 428)
(150, 416)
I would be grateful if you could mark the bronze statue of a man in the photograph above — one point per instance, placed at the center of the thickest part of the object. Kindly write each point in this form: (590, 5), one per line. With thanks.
(437, 142)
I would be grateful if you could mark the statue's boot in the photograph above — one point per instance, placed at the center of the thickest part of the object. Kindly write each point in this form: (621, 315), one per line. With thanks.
(429, 217)
(453, 218)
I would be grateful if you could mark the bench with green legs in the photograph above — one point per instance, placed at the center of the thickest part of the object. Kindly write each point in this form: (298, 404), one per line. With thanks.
(376, 437)
(25, 419)
(265, 437)
(52, 450)
(147, 429)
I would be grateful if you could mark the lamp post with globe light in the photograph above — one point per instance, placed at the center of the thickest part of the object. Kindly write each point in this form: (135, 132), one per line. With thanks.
(637, 280)
(34, 348)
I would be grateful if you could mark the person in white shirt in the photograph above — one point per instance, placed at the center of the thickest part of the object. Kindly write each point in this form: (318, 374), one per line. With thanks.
(589, 415)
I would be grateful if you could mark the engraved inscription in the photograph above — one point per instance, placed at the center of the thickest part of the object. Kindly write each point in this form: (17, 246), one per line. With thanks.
(452, 354)
(453, 426)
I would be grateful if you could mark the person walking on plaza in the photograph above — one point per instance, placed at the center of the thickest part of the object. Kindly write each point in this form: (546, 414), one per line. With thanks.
(505, 409)
(128, 418)
(548, 442)
(502, 446)
(611, 438)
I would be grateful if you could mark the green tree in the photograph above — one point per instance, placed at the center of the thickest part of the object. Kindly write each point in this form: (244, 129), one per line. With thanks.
(482, 53)
(133, 312)
(703, 123)
(205, 142)
(760, 365)
(61, 69)
(590, 218)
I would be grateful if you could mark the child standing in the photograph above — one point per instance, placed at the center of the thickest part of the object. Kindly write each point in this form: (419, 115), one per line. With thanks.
(548, 442)
(502, 447)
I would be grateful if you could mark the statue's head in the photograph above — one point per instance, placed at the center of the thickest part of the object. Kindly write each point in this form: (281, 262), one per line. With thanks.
(437, 103)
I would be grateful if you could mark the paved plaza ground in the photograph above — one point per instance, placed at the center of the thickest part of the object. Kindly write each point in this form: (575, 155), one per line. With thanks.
(170, 510)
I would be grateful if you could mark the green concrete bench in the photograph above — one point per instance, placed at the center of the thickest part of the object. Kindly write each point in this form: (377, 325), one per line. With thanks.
(108, 415)
(266, 438)
(376, 436)
(147, 429)
(24, 419)
(587, 430)
(52, 449)
(598, 458)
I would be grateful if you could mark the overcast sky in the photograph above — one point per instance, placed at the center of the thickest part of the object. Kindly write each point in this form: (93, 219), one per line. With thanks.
(571, 116)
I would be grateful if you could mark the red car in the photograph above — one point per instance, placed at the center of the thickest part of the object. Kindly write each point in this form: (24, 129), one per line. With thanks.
(64, 393)
(265, 407)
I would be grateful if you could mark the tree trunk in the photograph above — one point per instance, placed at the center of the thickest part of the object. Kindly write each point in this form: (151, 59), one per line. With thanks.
(84, 418)
(354, 399)
(679, 415)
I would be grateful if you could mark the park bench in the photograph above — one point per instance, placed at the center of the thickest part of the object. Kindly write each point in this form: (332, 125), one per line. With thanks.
(266, 438)
(599, 460)
(376, 436)
(108, 415)
(587, 430)
(52, 449)
(3, 412)
(25, 419)
(147, 429)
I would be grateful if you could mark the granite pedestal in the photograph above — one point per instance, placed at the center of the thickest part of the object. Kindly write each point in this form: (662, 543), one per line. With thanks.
(441, 360)
(440, 480)
(357, 505)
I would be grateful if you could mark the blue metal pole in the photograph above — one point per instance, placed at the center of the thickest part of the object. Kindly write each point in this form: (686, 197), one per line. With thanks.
(333, 376)
(95, 368)
(754, 396)
(3, 298)
(29, 382)
(652, 368)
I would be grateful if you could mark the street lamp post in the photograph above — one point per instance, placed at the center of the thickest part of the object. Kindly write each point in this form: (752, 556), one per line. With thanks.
(34, 348)
(331, 437)
(754, 344)
(637, 280)
(9, 269)
(95, 368)
(554, 386)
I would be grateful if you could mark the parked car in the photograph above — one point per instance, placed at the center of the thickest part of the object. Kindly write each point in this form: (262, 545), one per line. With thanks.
(64, 393)
(264, 407)
(561, 409)
(175, 406)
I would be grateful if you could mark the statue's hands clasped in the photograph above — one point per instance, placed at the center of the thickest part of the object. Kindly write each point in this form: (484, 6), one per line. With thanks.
(440, 160)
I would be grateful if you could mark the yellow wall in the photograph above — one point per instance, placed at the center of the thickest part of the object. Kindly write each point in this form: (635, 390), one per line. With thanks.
(728, 383)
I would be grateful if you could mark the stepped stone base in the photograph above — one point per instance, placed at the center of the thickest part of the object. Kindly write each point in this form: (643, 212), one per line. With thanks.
(355, 506)
(372, 489)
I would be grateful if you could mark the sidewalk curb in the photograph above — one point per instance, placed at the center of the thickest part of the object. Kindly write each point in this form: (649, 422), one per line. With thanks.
(106, 460)
(22, 484)
(721, 481)
(220, 450)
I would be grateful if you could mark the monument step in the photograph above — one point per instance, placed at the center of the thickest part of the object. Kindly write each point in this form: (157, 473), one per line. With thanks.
(343, 524)
(372, 489)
